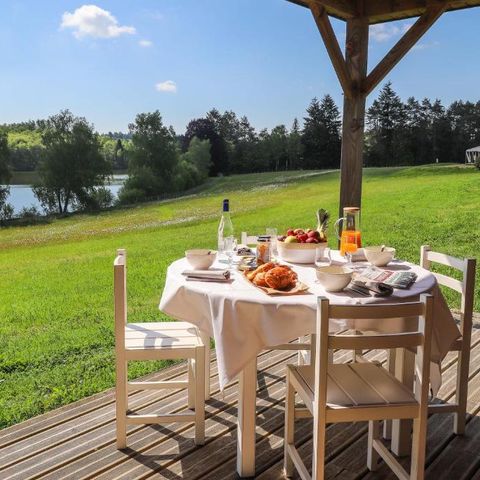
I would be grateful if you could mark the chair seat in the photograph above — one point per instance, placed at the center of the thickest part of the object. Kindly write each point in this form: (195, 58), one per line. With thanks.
(161, 335)
(357, 385)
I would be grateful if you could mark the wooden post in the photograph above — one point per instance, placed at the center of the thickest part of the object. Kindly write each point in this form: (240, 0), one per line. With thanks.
(354, 114)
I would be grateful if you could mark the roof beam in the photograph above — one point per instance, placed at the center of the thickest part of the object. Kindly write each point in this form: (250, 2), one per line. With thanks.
(338, 8)
(333, 48)
(379, 11)
(402, 47)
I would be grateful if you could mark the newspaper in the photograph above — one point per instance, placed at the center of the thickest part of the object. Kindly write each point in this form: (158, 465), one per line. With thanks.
(380, 283)
(396, 279)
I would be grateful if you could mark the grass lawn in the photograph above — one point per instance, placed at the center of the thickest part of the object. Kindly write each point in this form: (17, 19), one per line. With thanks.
(56, 311)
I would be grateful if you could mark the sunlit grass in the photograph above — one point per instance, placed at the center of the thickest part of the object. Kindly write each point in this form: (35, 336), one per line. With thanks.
(56, 315)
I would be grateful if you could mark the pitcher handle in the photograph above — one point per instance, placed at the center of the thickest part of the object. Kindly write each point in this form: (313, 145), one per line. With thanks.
(337, 227)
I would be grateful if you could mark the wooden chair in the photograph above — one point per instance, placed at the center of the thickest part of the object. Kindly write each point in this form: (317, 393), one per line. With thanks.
(466, 288)
(302, 345)
(361, 391)
(155, 341)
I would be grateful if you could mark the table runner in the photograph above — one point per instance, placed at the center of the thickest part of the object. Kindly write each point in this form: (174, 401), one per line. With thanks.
(244, 321)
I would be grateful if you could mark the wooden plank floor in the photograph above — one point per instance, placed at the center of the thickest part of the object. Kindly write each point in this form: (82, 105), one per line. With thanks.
(78, 441)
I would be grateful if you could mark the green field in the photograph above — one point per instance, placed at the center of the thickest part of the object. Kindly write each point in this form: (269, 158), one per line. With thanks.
(56, 316)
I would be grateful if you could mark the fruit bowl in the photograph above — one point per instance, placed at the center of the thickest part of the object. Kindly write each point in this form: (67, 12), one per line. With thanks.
(299, 252)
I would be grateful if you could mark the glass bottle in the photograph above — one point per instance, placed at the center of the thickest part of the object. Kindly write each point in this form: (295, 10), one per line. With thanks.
(225, 227)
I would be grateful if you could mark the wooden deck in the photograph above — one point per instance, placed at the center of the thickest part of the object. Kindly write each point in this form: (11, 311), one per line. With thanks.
(77, 441)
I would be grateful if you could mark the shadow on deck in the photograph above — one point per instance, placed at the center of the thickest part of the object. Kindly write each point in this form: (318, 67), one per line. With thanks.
(78, 441)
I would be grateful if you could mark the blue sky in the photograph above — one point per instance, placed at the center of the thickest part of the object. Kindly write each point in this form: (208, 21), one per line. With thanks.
(260, 58)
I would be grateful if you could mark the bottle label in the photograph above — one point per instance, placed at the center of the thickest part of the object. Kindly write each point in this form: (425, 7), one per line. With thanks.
(226, 205)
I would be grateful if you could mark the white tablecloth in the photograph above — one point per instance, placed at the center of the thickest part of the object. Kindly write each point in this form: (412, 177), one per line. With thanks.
(243, 320)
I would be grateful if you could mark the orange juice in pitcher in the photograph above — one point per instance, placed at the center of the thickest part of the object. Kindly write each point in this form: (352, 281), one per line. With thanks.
(350, 238)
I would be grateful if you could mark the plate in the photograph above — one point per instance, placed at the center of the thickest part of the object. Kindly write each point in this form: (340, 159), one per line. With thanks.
(300, 288)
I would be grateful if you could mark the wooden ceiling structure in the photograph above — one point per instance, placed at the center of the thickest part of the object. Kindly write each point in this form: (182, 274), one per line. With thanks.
(351, 69)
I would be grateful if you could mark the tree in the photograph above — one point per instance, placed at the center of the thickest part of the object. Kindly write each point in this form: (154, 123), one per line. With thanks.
(206, 129)
(194, 165)
(73, 165)
(386, 137)
(198, 154)
(6, 210)
(153, 160)
(321, 134)
(294, 147)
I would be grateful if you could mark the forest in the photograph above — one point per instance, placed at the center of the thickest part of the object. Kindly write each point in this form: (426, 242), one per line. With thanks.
(73, 161)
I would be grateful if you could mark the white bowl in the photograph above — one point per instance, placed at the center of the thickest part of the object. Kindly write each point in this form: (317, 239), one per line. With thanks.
(333, 278)
(299, 252)
(378, 258)
(201, 259)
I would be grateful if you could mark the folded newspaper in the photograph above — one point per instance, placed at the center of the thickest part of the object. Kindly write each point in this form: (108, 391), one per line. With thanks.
(207, 275)
(380, 283)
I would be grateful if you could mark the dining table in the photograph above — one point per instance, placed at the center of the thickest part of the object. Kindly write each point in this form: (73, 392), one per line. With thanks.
(244, 321)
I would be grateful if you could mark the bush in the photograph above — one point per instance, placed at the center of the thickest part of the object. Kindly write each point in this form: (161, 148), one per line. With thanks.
(129, 195)
(95, 199)
(29, 212)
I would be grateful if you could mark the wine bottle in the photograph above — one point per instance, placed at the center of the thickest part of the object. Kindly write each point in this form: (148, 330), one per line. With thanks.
(225, 228)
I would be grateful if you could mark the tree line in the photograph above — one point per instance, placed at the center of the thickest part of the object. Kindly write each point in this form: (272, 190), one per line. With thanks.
(74, 162)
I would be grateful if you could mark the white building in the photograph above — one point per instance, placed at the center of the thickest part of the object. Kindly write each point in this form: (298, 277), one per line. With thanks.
(472, 155)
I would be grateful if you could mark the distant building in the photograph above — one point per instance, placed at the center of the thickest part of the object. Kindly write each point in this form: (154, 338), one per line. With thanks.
(472, 155)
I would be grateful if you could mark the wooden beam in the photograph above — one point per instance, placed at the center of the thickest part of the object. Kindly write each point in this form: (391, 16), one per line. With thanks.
(333, 48)
(354, 115)
(341, 9)
(379, 11)
(401, 48)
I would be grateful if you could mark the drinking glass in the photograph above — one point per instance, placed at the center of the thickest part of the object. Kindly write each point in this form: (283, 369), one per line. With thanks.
(272, 232)
(229, 247)
(322, 257)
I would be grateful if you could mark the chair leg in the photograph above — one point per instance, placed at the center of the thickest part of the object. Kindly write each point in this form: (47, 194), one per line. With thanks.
(461, 393)
(319, 442)
(206, 341)
(372, 454)
(419, 441)
(289, 425)
(199, 396)
(191, 384)
(121, 402)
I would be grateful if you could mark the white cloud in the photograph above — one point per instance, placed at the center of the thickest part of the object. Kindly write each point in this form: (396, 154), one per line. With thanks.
(145, 43)
(382, 32)
(168, 86)
(93, 21)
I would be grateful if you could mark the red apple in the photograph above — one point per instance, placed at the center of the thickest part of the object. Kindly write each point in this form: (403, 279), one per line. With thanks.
(311, 240)
(304, 237)
(314, 234)
(290, 232)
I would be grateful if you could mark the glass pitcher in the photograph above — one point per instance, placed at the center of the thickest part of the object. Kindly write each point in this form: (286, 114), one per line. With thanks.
(350, 238)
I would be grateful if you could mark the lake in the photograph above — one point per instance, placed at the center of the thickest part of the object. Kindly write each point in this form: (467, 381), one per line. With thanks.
(22, 196)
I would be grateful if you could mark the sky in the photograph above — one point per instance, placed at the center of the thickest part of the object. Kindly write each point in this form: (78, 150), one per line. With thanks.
(108, 60)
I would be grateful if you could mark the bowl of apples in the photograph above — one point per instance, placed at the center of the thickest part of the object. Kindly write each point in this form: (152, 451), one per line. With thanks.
(301, 245)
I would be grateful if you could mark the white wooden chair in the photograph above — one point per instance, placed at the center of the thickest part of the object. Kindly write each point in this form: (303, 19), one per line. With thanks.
(302, 345)
(466, 288)
(361, 391)
(155, 341)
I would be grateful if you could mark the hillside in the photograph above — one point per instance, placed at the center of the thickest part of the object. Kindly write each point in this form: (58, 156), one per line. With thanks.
(56, 313)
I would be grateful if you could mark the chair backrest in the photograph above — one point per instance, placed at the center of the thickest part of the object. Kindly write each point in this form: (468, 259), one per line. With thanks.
(466, 286)
(420, 339)
(246, 239)
(120, 294)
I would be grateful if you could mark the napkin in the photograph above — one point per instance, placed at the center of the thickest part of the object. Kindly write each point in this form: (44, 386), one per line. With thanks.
(207, 275)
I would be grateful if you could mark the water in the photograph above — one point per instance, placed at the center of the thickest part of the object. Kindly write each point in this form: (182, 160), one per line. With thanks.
(21, 196)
